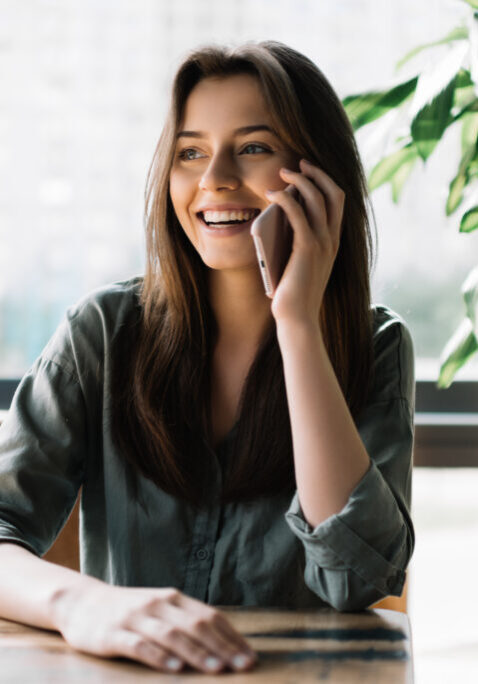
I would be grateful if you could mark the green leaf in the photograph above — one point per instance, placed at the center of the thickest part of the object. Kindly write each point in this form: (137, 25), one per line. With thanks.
(461, 347)
(455, 193)
(470, 295)
(430, 123)
(468, 167)
(387, 167)
(400, 177)
(462, 178)
(438, 75)
(464, 343)
(469, 131)
(464, 89)
(472, 106)
(469, 221)
(463, 79)
(458, 33)
(473, 58)
(366, 107)
(472, 3)
(469, 108)
(473, 167)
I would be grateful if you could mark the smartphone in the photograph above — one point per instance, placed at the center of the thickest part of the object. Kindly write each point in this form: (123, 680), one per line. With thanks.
(273, 237)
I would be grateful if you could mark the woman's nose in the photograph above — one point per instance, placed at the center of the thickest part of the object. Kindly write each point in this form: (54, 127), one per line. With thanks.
(221, 174)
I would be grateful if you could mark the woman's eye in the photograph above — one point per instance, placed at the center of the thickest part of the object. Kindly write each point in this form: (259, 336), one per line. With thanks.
(255, 148)
(189, 153)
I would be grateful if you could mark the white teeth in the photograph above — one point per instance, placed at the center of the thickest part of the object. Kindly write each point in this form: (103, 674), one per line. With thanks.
(222, 216)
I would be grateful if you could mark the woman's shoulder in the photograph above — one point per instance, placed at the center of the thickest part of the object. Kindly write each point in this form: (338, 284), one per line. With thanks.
(389, 327)
(115, 300)
(393, 354)
(89, 326)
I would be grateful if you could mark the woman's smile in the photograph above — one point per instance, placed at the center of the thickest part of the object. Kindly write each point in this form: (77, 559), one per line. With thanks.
(221, 221)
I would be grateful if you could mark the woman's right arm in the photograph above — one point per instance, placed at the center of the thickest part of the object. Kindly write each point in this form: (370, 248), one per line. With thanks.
(30, 587)
(161, 628)
(45, 442)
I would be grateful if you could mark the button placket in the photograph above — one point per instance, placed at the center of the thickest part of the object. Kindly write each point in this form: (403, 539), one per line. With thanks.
(203, 539)
(202, 554)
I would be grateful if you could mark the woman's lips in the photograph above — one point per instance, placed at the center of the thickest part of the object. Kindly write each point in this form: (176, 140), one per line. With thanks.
(225, 230)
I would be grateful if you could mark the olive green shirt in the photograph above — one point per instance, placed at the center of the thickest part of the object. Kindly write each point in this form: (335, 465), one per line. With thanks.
(56, 438)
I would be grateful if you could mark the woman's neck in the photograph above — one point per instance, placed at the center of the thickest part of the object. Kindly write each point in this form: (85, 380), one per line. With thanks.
(241, 307)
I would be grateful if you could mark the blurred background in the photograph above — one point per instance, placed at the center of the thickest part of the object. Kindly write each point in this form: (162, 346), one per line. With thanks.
(83, 93)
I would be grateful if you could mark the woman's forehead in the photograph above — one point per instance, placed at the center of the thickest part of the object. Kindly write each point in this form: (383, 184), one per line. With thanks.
(235, 98)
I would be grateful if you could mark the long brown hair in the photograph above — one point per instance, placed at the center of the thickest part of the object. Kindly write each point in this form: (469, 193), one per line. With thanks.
(162, 361)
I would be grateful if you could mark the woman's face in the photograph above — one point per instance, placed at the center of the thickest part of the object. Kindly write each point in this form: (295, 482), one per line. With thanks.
(226, 157)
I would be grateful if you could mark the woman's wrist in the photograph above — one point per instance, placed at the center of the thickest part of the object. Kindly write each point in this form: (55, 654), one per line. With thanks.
(295, 331)
(66, 597)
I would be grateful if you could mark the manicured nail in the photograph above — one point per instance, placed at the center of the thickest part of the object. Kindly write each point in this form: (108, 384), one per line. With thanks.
(173, 664)
(212, 663)
(286, 171)
(239, 661)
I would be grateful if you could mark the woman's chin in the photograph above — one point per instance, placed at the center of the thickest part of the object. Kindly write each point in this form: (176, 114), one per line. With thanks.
(230, 262)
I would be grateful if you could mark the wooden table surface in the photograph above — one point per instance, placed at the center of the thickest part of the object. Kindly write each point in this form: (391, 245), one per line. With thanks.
(293, 648)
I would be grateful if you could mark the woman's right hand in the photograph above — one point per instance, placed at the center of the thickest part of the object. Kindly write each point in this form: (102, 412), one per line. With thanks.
(162, 628)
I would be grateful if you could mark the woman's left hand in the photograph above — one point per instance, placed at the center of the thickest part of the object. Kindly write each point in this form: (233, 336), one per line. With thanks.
(317, 229)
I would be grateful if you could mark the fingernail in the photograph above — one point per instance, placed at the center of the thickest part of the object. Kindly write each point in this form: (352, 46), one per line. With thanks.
(173, 664)
(270, 192)
(305, 161)
(212, 663)
(240, 661)
(286, 171)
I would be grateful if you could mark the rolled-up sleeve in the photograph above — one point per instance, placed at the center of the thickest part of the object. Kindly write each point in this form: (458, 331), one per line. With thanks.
(42, 448)
(360, 555)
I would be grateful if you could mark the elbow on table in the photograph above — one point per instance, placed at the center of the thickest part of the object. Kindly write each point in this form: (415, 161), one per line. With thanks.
(357, 603)
(344, 591)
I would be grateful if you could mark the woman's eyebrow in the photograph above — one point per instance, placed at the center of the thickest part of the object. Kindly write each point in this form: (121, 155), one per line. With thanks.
(243, 130)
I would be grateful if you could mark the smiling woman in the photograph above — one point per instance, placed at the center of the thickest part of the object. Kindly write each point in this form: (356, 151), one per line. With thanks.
(231, 449)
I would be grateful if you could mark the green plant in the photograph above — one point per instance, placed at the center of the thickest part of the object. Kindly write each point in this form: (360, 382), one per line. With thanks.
(443, 94)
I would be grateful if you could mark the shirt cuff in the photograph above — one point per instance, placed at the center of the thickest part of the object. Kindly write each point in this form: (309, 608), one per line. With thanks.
(366, 539)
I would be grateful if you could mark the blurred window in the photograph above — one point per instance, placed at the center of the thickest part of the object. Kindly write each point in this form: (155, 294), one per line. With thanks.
(83, 93)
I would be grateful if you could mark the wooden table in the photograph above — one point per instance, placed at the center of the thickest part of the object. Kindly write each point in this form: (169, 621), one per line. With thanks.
(293, 648)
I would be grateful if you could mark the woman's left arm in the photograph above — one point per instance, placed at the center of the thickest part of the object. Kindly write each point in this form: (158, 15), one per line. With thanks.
(330, 458)
(351, 508)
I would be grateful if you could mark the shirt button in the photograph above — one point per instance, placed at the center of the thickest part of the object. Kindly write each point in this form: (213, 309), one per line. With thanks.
(202, 554)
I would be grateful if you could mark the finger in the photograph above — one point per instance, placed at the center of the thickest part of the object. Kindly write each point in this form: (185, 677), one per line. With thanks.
(234, 636)
(314, 199)
(334, 195)
(295, 214)
(125, 643)
(205, 627)
(221, 622)
(175, 639)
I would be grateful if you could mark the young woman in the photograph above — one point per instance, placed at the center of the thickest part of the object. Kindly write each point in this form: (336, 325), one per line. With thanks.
(231, 449)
